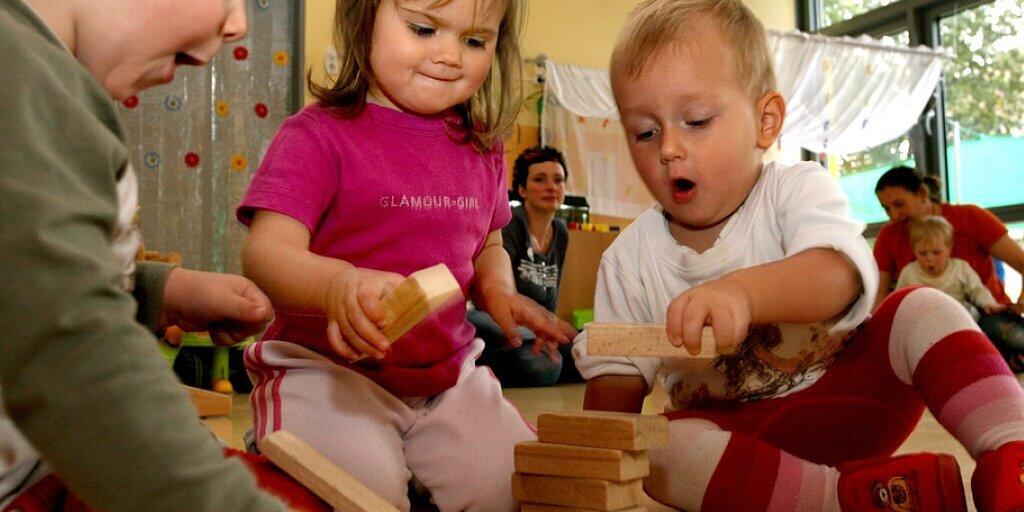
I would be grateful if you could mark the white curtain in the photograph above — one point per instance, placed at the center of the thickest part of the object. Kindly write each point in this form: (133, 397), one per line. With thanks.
(843, 95)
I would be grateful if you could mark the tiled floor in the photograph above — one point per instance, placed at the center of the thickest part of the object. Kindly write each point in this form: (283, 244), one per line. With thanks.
(929, 435)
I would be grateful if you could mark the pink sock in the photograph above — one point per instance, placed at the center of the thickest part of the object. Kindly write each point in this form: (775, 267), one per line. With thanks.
(957, 371)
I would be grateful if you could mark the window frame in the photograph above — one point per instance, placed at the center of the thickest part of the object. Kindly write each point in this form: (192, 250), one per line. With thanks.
(921, 19)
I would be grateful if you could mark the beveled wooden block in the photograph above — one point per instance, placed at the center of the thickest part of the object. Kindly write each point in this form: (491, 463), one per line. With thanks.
(209, 403)
(417, 296)
(642, 340)
(420, 294)
(585, 493)
(332, 484)
(598, 429)
(534, 507)
(536, 458)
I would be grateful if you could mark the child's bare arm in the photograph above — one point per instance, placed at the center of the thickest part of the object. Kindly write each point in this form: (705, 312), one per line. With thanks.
(494, 291)
(810, 286)
(231, 307)
(620, 393)
(277, 258)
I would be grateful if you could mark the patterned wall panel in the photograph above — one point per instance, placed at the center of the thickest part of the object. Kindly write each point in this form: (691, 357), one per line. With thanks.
(196, 141)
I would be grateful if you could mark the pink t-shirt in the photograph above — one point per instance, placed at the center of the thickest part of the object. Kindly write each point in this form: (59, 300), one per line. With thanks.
(390, 191)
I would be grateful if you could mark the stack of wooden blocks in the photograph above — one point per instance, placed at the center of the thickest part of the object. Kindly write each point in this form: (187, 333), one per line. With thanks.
(587, 461)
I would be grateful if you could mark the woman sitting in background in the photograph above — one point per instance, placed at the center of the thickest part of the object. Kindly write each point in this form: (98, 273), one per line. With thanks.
(978, 235)
(536, 242)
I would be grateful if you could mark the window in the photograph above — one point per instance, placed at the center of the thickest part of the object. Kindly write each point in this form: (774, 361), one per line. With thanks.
(972, 134)
(984, 104)
(834, 11)
(858, 172)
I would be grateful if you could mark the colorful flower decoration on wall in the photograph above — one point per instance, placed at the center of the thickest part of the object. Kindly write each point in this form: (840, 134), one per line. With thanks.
(131, 101)
(192, 159)
(264, 4)
(281, 58)
(261, 110)
(241, 52)
(152, 160)
(172, 103)
(222, 108)
(239, 163)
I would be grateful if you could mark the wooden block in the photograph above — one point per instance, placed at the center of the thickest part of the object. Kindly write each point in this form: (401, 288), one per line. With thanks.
(585, 493)
(420, 294)
(331, 483)
(209, 403)
(535, 507)
(580, 461)
(417, 296)
(222, 428)
(604, 429)
(642, 340)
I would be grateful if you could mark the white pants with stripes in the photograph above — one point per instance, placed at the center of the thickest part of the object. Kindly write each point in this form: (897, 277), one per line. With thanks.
(458, 444)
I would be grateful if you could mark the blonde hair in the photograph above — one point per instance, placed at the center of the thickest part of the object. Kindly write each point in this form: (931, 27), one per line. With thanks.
(655, 24)
(487, 115)
(931, 226)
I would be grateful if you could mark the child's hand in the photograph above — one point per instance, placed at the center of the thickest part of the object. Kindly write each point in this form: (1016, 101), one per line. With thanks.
(355, 313)
(994, 308)
(1017, 307)
(512, 310)
(723, 305)
(230, 307)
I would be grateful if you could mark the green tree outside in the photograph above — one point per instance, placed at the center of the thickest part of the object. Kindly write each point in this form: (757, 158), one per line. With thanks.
(984, 81)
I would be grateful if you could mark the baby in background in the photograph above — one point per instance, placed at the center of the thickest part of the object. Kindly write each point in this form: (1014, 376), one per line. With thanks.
(932, 239)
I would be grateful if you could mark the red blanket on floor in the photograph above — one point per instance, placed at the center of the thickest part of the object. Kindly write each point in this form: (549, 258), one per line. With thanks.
(51, 495)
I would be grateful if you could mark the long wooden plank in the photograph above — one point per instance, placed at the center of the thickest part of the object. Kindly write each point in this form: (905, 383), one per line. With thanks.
(331, 483)
(642, 340)
(600, 429)
(536, 507)
(585, 493)
(209, 403)
(552, 459)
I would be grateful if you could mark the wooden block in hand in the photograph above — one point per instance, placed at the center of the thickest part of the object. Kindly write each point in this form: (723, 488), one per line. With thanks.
(600, 429)
(209, 403)
(584, 493)
(536, 507)
(417, 296)
(420, 294)
(642, 340)
(331, 483)
(580, 461)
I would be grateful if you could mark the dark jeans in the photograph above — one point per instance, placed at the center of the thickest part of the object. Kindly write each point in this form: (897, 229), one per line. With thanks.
(1006, 330)
(520, 367)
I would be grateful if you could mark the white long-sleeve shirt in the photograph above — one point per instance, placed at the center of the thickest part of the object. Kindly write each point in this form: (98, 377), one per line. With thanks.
(789, 210)
(959, 281)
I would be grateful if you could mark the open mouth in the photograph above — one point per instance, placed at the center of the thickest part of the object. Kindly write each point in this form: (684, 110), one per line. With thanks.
(184, 59)
(682, 185)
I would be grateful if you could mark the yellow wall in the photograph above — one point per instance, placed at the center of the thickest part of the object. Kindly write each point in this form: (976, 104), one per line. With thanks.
(582, 32)
(318, 37)
(579, 32)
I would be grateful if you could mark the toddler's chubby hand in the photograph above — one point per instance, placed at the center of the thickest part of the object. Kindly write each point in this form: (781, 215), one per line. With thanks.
(722, 304)
(995, 308)
(230, 307)
(354, 312)
(512, 310)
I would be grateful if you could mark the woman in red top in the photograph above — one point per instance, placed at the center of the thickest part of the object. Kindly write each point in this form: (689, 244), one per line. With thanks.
(978, 235)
